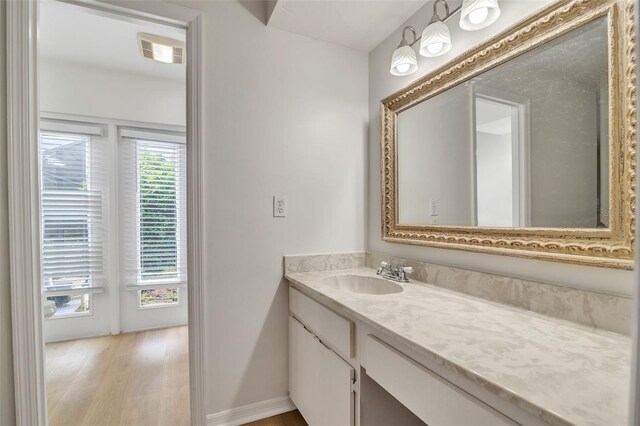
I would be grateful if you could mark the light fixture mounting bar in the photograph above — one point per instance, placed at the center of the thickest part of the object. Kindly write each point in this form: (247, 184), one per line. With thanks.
(453, 13)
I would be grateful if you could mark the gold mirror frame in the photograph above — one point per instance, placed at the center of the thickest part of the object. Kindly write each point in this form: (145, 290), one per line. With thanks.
(612, 247)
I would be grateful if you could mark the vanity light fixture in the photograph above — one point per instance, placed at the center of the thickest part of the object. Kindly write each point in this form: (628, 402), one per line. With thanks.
(478, 14)
(436, 38)
(404, 61)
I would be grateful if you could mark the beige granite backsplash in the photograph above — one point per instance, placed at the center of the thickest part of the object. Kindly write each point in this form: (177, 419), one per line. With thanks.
(597, 310)
(323, 262)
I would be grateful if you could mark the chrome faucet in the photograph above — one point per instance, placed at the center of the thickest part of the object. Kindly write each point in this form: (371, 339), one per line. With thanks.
(399, 274)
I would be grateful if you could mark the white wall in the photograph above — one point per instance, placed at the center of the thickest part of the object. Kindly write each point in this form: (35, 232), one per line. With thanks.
(382, 84)
(434, 160)
(563, 146)
(284, 115)
(7, 411)
(494, 169)
(70, 88)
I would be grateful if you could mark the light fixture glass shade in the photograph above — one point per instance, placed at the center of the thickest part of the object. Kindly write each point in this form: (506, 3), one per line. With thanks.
(478, 14)
(404, 61)
(162, 53)
(436, 40)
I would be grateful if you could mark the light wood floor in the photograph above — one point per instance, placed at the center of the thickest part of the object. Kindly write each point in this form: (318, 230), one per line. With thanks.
(292, 418)
(130, 379)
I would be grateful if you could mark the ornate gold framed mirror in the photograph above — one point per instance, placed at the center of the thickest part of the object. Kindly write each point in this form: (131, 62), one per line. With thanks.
(523, 146)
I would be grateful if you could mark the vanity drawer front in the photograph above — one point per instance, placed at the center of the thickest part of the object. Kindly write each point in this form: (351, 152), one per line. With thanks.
(434, 400)
(330, 327)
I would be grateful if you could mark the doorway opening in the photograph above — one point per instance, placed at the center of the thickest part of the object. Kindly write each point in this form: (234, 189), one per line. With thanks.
(113, 219)
(501, 162)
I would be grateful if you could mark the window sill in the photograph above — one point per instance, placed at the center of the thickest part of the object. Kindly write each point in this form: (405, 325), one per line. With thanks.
(71, 291)
(150, 286)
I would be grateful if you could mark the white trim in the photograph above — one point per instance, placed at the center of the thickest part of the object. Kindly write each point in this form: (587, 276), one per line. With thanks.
(49, 125)
(634, 404)
(252, 412)
(154, 11)
(195, 216)
(474, 160)
(153, 135)
(71, 315)
(81, 337)
(72, 291)
(159, 306)
(160, 327)
(24, 239)
(117, 122)
(113, 247)
(24, 213)
(138, 287)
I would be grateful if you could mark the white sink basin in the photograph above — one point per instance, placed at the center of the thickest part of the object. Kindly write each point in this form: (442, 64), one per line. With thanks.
(362, 284)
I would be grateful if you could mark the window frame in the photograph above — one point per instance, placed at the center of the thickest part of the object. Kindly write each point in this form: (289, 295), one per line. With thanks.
(96, 133)
(109, 132)
(132, 135)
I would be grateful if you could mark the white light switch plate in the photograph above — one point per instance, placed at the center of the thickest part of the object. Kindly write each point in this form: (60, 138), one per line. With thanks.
(279, 206)
(433, 207)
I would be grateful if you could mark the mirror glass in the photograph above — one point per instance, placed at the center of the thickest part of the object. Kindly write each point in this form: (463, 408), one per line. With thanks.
(524, 144)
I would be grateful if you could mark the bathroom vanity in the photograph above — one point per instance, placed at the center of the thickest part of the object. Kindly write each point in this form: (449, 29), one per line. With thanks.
(368, 351)
(522, 147)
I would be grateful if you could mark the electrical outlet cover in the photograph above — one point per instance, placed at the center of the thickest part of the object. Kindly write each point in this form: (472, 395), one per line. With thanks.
(433, 207)
(279, 206)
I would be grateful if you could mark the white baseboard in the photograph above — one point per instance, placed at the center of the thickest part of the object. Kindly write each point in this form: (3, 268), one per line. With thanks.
(252, 412)
(157, 327)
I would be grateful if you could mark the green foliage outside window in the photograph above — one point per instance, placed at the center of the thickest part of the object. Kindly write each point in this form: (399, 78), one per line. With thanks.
(158, 216)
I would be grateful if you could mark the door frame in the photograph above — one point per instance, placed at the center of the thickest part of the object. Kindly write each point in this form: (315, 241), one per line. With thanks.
(24, 204)
(521, 150)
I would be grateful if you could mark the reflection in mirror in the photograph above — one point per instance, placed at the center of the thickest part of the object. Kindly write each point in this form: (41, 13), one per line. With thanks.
(498, 147)
(524, 144)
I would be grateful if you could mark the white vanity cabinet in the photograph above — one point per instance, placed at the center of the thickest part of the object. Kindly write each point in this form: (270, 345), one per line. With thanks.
(320, 382)
(329, 352)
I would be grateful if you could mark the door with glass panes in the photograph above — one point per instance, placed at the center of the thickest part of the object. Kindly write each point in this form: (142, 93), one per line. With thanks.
(74, 230)
(113, 228)
(152, 216)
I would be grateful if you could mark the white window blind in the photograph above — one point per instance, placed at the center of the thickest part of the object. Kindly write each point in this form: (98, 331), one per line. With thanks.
(152, 211)
(72, 187)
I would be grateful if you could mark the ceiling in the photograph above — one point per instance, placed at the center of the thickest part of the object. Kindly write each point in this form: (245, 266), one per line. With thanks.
(579, 56)
(358, 24)
(576, 58)
(80, 35)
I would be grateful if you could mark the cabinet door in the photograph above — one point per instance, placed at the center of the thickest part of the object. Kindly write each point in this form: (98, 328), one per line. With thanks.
(319, 380)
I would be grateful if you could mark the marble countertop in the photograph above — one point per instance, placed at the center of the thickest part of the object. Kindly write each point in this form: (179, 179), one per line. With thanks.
(562, 372)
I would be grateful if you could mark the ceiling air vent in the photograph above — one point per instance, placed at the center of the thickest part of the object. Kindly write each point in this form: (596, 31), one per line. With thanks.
(161, 49)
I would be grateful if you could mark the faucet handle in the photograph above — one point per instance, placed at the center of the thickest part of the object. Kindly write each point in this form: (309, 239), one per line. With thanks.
(403, 271)
(384, 264)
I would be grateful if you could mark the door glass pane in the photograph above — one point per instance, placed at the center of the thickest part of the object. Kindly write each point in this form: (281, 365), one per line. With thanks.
(158, 210)
(158, 296)
(69, 253)
(65, 306)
